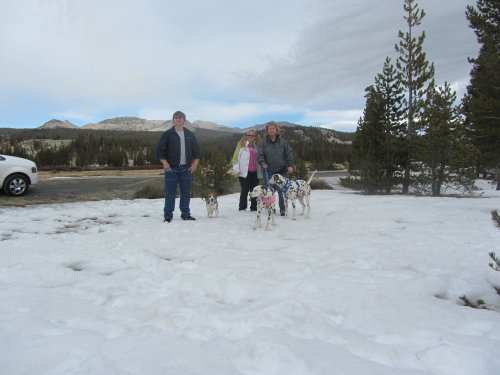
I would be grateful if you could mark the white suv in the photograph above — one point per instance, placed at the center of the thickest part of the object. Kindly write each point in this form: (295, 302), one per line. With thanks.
(17, 174)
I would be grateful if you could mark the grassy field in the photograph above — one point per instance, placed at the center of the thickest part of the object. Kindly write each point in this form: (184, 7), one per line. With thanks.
(44, 175)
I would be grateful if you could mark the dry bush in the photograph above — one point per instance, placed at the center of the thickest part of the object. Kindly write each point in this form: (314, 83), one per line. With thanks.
(150, 192)
(319, 184)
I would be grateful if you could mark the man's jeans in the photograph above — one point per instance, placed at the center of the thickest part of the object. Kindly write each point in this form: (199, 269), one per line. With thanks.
(182, 176)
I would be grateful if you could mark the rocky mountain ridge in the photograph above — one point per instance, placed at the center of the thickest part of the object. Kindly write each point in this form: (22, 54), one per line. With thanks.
(137, 124)
(140, 124)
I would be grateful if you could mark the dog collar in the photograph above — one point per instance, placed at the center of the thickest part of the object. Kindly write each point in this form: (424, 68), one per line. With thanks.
(268, 201)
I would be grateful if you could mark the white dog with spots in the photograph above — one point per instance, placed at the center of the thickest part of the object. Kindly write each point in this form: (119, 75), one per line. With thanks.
(266, 200)
(294, 190)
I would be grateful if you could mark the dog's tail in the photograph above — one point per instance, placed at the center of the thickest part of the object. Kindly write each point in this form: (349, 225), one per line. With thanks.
(310, 178)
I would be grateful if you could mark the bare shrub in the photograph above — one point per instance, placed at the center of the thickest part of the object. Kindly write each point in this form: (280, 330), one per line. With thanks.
(149, 192)
(319, 184)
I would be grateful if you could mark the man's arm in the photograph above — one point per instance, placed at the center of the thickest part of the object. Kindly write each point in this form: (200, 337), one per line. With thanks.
(194, 165)
(166, 166)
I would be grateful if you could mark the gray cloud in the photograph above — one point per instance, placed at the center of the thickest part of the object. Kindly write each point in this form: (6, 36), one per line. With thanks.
(304, 60)
(341, 51)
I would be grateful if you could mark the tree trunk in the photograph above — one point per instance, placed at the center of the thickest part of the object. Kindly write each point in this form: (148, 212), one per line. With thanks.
(498, 177)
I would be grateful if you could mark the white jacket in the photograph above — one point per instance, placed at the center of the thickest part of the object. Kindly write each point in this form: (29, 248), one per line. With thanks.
(240, 168)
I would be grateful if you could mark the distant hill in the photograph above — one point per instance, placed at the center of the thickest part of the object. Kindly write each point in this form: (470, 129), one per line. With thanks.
(137, 124)
(58, 124)
(128, 124)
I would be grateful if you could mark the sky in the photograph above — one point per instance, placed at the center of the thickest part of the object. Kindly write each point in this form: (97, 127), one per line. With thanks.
(235, 63)
(367, 285)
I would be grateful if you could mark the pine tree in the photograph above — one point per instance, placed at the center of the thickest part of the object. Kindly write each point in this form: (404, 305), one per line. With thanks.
(300, 169)
(377, 144)
(369, 144)
(482, 101)
(415, 73)
(388, 85)
(445, 153)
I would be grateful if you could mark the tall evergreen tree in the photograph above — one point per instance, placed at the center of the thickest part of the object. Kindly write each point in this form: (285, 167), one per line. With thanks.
(416, 73)
(369, 144)
(445, 154)
(377, 144)
(388, 85)
(482, 101)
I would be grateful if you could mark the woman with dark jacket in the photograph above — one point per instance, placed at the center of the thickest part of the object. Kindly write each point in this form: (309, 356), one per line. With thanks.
(276, 156)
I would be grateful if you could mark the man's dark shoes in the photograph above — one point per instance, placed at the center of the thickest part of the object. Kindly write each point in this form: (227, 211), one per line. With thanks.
(282, 213)
(188, 218)
(168, 219)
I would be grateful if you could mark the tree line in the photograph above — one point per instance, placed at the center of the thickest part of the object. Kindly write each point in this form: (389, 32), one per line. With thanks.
(412, 132)
(83, 148)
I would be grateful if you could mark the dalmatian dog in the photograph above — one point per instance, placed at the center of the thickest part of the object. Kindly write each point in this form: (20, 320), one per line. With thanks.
(212, 204)
(266, 200)
(294, 190)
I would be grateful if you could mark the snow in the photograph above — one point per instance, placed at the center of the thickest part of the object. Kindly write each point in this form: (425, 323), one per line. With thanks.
(366, 285)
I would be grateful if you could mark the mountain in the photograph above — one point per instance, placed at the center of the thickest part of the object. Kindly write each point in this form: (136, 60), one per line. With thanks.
(281, 124)
(128, 124)
(140, 124)
(58, 124)
(200, 124)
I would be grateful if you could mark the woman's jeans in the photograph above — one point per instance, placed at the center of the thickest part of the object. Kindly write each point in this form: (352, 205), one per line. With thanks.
(182, 176)
(247, 184)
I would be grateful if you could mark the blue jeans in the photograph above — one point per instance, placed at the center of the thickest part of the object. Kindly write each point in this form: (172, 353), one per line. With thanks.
(182, 176)
(281, 200)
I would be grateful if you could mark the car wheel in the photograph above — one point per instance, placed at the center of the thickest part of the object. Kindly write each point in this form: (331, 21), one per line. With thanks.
(16, 185)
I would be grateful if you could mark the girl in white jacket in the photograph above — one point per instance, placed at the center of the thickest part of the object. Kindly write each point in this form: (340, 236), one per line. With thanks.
(246, 169)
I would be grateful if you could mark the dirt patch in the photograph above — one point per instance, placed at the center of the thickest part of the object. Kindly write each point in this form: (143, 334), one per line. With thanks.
(45, 175)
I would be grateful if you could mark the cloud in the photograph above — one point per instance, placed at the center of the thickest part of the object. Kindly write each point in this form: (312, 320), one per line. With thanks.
(342, 120)
(239, 114)
(225, 61)
(340, 52)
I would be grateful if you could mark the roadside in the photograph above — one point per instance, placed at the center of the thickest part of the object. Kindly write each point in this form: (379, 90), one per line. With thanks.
(70, 186)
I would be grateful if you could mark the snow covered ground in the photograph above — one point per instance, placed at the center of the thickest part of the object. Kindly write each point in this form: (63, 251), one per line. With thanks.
(368, 285)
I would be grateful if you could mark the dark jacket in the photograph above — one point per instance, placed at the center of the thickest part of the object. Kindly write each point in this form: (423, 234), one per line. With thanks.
(277, 155)
(169, 147)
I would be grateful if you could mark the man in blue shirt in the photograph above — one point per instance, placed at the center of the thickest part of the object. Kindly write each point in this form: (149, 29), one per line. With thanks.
(179, 152)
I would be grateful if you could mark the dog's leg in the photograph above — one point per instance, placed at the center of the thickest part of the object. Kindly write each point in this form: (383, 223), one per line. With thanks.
(303, 204)
(257, 219)
(271, 210)
(269, 215)
(307, 197)
(294, 215)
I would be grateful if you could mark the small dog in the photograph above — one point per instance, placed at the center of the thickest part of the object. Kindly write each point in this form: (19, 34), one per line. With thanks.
(294, 190)
(212, 204)
(265, 200)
